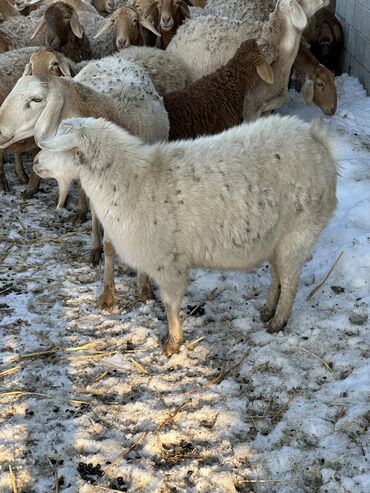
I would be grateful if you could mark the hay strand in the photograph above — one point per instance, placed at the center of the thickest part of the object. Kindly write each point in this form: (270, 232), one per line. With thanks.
(22, 393)
(319, 286)
(12, 480)
(124, 454)
(318, 358)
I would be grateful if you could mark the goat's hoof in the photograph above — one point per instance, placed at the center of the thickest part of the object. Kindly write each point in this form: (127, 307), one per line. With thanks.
(4, 187)
(79, 218)
(28, 194)
(106, 300)
(95, 256)
(146, 294)
(275, 326)
(266, 314)
(170, 346)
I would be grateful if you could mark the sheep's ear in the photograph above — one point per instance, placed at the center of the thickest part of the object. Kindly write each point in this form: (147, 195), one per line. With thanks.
(148, 25)
(75, 25)
(106, 25)
(61, 143)
(266, 73)
(298, 16)
(65, 68)
(308, 91)
(27, 69)
(47, 123)
(184, 8)
(151, 8)
(40, 25)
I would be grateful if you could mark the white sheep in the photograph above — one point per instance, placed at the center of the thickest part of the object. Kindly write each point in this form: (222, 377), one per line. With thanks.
(208, 42)
(113, 88)
(167, 71)
(260, 191)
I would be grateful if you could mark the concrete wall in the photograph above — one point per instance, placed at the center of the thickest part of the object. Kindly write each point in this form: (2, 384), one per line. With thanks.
(355, 18)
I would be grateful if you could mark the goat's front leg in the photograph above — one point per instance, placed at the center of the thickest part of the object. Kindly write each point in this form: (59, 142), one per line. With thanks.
(96, 244)
(33, 182)
(106, 299)
(4, 187)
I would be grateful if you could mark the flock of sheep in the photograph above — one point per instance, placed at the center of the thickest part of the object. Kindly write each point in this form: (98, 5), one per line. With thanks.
(146, 109)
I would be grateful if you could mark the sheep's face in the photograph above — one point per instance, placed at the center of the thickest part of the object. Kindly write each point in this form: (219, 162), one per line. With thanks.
(127, 25)
(171, 12)
(47, 61)
(321, 91)
(21, 110)
(104, 7)
(62, 25)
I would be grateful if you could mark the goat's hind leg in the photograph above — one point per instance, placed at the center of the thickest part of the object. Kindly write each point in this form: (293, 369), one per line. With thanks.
(268, 310)
(106, 299)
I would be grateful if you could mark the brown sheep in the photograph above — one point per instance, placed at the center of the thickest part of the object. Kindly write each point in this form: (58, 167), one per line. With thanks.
(315, 80)
(104, 7)
(128, 27)
(64, 32)
(7, 42)
(172, 13)
(324, 33)
(215, 102)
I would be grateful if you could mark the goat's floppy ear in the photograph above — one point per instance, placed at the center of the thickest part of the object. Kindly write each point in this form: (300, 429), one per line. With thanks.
(40, 25)
(297, 15)
(106, 25)
(47, 123)
(154, 5)
(266, 73)
(27, 69)
(148, 25)
(61, 142)
(75, 25)
(184, 8)
(308, 91)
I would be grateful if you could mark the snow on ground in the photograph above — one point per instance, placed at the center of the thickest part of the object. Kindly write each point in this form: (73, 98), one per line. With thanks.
(291, 416)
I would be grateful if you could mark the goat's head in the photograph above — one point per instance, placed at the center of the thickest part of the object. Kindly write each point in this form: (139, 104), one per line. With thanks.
(47, 61)
(104, 7)
(127, 23)
(321, 90)
(61, 23)
(171, 12)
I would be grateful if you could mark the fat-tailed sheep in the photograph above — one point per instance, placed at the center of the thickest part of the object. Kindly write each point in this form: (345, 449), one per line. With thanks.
(229, 201)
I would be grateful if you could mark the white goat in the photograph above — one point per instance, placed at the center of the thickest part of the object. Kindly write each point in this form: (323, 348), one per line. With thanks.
(260, 191)
(208, 42)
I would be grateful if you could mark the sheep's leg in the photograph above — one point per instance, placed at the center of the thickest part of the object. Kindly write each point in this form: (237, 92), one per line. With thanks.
(4, 187)
(268, 310)
(106, 299)
(290, 255)
(32, 187)
(96, 244)
(172, 295)
(83, 207)
(19, 168)
(143, 286)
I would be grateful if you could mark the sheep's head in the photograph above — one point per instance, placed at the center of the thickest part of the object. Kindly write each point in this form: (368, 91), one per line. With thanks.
(32, 108)
(321, 90)
(142, 6)
(104, 7)
(61, 23)
(171, 12)
(127, 25)
(251, 53)
(47, 61)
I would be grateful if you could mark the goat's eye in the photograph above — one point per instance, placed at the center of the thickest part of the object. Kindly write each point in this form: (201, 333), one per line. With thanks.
(320, 84)
(37, 99)
(67, 18)
(134, 21)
